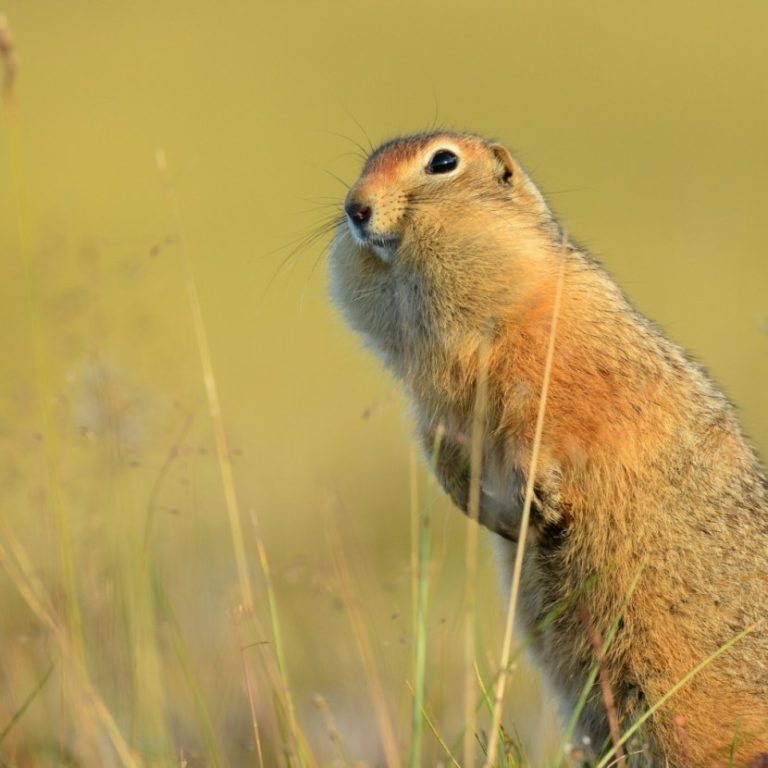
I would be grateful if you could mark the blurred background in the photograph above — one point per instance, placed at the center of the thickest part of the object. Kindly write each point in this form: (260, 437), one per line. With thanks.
(645, 127)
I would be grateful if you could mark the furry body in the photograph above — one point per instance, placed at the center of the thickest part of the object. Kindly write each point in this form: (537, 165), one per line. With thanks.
(643, 466)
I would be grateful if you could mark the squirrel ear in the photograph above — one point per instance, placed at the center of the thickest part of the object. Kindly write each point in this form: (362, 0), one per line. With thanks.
(504, 165)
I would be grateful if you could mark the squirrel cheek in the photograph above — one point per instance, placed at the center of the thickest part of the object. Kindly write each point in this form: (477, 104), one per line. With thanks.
(387, 217)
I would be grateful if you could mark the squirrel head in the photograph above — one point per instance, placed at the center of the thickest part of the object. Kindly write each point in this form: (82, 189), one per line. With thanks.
(441, 232)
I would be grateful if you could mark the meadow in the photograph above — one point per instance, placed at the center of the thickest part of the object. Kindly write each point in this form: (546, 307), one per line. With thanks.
(211, 546)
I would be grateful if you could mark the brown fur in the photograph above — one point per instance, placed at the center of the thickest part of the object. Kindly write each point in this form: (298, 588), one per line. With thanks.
(643, 467)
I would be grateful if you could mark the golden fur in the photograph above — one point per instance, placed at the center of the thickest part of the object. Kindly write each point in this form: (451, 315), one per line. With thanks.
(643, 466)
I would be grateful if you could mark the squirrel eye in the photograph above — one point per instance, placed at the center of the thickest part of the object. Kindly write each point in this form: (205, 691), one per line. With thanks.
(443, 161)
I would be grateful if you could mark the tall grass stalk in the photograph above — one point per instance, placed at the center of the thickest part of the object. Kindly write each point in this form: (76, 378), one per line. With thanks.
(148, 702)
(333, 732)
(296, 741)
(211, 390)
(85, 703)
(592, 676)
(436, 733)
(415, 507)
(501, 682)
(251, 702)
(415, 465)
(422, 599)
(470, 583)
(609, 757)
(17, 715)
(365, 649)
(50, 438)
(609, 700)
(212, 753)
(483, 702)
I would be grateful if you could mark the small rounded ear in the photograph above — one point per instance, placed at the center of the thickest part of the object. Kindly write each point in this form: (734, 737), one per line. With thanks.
(504, 165)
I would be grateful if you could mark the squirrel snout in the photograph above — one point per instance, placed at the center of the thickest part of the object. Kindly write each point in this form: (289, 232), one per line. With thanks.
(371, 222)
(359, 213)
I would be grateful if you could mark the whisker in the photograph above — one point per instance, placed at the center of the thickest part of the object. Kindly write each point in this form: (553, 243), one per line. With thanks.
(301, 244)
(331, 203)
(309, 278)
(363, 152)
(338, 178)
(349, 114)
(435, 115)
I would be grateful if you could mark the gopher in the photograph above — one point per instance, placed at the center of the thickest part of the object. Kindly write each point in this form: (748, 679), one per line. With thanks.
(448, 255)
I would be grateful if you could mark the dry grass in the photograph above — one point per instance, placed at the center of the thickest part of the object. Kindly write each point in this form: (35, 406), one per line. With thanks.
(144, 730)
(112, 669)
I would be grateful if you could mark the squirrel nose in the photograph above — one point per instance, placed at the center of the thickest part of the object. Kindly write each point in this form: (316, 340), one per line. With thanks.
(358, 212)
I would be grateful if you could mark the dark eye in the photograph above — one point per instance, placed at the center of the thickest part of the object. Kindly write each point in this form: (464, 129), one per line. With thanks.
(443, 161)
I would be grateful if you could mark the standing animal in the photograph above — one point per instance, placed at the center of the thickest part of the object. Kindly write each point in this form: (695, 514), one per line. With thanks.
(447, 261)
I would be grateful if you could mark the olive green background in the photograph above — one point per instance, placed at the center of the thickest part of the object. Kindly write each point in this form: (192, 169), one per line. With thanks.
(645, 126)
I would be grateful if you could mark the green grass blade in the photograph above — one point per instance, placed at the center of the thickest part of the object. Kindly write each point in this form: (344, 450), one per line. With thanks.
(422, 598)
(25, 705)
(211, 391)
(672, 691)
(213, 756)
(297, 742)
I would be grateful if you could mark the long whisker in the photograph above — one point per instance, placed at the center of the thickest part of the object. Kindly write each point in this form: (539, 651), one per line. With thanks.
(349, 114)
(338, 178)
(363, 152)
(301, 244)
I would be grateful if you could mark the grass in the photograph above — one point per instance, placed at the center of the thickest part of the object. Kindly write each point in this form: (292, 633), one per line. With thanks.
(118, 664)
(166, 674)
(498, 700)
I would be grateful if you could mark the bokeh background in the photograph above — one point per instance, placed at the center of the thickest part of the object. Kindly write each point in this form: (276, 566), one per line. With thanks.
(644, 124)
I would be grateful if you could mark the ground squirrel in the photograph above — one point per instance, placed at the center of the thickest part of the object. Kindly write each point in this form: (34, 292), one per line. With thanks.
(447, 248)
